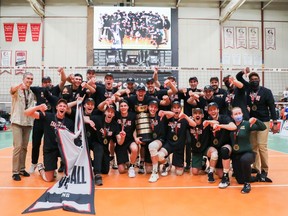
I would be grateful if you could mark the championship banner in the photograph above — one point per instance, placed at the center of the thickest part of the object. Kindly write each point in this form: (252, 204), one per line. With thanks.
(6, 61)
(241, 37)
(22, 29)
(270, 38)
(75, 191)
(20, 61)
(35, 31)
(228, 36)
(8, 31)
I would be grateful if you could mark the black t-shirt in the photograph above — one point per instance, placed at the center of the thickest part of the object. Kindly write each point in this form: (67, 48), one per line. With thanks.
(176, 132)
(203, 104)
(158, 127)
(221, 137)
(104, 131)
(128, 123)
(102, 94)
(139, 106)
(188, 107)
(49, 122)
(200, 138)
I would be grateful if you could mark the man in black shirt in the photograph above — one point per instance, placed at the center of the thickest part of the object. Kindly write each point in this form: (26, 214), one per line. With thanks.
(262, 106)
(50, 122)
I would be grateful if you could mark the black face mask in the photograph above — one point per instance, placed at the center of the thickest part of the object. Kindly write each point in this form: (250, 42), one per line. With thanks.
(66, 97)
(254, 84)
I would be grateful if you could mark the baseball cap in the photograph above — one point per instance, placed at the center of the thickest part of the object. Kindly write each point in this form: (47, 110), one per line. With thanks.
(195, 110)
(213, 104)
(153, 102)
(46, 79)
(150, 79)
(109, 74)
(61, 100)
(214, 78)
(130, 80)
(176, 102)
(253, 74)
(141, 87)
(89, 100)
(208, 87)
(193, 78)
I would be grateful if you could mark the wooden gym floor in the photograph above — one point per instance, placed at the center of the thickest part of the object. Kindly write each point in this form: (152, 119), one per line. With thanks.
(170, 196)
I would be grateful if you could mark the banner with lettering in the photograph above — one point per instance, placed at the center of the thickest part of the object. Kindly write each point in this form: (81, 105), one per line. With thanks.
(8, 31)
(35, 31)
(75, 191)
(20, 61)
(22, 30)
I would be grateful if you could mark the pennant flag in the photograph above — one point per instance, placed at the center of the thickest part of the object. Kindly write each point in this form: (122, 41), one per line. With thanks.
(75, 191)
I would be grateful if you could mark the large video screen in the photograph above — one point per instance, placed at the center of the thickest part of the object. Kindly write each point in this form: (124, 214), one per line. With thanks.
(132, 28)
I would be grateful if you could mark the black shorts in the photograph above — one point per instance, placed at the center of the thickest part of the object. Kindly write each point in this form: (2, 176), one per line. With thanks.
(122, 152)
(50, 158)
(178, 154)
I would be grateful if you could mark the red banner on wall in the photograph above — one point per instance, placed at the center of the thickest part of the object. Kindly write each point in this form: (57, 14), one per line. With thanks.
(22, 29)
(35, 31)
(8, 31)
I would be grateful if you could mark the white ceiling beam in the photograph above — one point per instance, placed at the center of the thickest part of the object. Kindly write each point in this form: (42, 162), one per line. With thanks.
(227, 12)
(267, 4)
(177, 3)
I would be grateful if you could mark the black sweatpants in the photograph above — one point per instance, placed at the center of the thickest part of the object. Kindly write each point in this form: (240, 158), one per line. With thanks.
(242, 166)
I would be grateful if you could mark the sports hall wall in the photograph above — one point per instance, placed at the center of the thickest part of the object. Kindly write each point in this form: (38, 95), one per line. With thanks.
(64, 34)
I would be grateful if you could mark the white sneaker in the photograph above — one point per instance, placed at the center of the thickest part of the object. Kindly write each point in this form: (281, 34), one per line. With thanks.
(32, 168)
(165, 170)
(154, 177)
(40, 167)
(131, 172)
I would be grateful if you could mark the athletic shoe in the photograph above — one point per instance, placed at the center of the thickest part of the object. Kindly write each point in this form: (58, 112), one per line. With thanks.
(40, 167)
(154, 177)
(211, 177)
(246, 188)
(32, 168)
(165, 169)
(16, 177)
(131, 172)
(114, 164)
(98, 180)
(24, 173)
(141, 170)
(224, 181)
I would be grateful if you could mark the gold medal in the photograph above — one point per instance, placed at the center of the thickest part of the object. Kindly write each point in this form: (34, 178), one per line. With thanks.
(48, 107)
(154, 135)
(198, 144)
(88, 134)
(105, 141)
(236, 147)
(254, 107)
(215, 141)
(175, 137)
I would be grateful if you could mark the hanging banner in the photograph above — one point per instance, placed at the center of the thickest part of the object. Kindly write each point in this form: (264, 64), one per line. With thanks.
(6, 61)
(270, 38)
(8, 31)
(241, 37)
(20, 61)
(228, 35)
(253, 38)
(22, 30)
(35, 31)
(75, 191)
